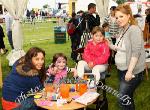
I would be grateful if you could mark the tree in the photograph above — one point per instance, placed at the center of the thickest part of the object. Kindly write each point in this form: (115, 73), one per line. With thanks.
(45, 6)
(121, 1)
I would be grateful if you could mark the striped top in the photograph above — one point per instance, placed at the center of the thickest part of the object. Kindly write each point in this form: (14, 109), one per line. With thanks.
(113, 26)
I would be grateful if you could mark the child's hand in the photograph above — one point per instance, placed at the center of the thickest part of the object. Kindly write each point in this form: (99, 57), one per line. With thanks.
(91, 65)
(53, 70)
(75, 74)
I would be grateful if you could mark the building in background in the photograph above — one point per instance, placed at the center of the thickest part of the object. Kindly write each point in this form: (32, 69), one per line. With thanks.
(72, 6)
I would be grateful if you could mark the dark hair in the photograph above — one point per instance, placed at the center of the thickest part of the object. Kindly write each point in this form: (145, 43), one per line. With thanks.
(105, 25)
(147, 11)
(5, 10)
(91, 5)
(137, 15)
(139, 10)
(73, 14)
(27, 61)
(56, 56)
(113, 8)
(98, 29)
(80, 12)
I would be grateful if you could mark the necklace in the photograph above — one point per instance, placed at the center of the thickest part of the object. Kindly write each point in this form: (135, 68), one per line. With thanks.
(123, 35)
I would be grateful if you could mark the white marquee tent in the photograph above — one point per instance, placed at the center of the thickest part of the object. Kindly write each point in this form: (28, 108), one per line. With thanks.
(17, 8)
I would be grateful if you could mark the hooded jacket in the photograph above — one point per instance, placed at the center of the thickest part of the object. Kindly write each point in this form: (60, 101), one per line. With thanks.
(98, 54)
(21, 81)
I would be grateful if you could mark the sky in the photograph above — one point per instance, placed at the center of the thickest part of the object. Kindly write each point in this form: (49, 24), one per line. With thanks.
(40, 3)
(81, 4)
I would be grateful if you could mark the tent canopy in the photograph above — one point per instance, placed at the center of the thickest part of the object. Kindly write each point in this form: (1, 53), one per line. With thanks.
(16, 9)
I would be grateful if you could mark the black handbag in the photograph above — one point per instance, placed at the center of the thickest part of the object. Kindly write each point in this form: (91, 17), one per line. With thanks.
(102, 104)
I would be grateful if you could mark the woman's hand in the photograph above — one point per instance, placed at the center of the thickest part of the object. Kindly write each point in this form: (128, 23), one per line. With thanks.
(108, 41)
(115, 48)
(110, 44)
(128, 76)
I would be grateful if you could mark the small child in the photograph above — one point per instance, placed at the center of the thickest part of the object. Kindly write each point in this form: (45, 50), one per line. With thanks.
(58, 69)
(105, 26)
(95, 56)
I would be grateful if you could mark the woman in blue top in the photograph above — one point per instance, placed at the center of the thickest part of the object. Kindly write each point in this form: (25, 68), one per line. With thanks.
(27, 76)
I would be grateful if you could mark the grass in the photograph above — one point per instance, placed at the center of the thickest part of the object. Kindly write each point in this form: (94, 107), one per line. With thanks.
(45, 31)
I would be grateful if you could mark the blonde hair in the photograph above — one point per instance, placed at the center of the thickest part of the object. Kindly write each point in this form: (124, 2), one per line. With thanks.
(125, 8)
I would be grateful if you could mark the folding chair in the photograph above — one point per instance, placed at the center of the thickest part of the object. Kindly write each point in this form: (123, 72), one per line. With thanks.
(101, 102)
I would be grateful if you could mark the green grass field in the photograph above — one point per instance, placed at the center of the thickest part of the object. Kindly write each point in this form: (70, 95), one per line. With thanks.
(32, 34)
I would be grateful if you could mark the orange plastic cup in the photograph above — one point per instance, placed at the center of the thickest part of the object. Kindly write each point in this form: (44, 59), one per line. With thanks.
(85, 77)
(82, 88)
(49, 88)
(77, 87)
(64, 90)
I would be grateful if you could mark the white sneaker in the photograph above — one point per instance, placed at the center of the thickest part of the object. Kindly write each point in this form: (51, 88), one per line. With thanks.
(1, 51)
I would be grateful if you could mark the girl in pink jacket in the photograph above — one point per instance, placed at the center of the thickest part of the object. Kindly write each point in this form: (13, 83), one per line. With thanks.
(96, 54)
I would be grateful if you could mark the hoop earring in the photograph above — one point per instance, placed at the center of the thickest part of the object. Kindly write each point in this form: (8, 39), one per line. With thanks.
(129, 21)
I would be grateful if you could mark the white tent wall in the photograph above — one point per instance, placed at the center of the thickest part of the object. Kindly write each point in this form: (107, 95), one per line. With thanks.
(16, 8)
(102, 8)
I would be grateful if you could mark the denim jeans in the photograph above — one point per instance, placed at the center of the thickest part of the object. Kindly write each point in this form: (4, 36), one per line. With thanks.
(9, 34)
(126, 90)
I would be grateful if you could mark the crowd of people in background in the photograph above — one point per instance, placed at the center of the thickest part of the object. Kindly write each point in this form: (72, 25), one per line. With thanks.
(42, 15)
(31, 15)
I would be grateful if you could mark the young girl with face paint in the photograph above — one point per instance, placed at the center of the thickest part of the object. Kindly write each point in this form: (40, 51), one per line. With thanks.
(58, 69)
(95, 56)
